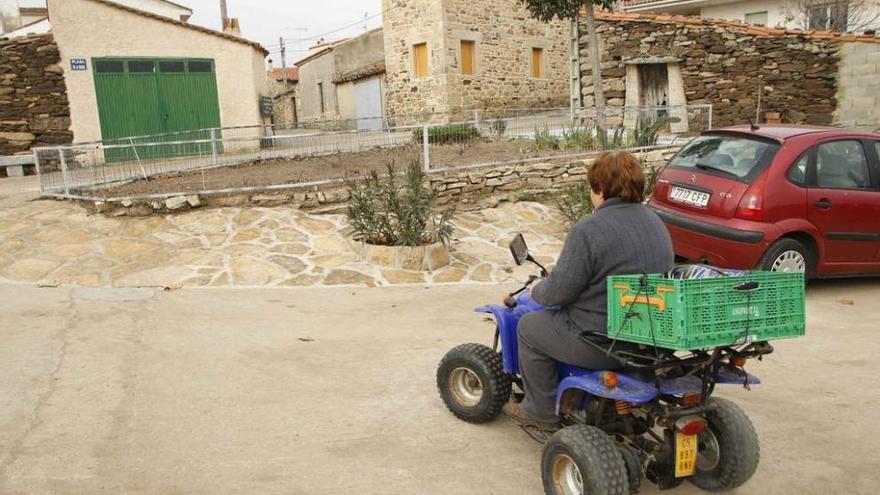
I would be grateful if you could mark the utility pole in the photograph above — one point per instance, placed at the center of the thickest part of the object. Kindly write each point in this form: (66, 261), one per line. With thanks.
(283, 61)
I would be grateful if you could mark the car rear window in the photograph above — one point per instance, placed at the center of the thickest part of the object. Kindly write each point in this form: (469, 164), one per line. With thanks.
(734, 156)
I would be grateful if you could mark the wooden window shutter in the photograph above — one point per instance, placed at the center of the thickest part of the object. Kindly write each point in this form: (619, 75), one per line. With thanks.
(420, 56)
(467, 58)
(537, 62)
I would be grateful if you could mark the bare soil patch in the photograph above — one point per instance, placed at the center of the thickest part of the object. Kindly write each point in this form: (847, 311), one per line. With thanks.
(336, 166)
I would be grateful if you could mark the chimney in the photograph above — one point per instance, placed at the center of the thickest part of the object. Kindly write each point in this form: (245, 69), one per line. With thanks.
(223, 14)
(10, 16)
(231, 26)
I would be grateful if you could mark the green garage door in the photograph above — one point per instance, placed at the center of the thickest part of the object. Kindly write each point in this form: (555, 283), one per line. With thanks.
(143, 97)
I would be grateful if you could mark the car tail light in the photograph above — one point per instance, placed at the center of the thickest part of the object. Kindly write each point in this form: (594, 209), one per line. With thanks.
(692, 399)
(691, 425)
(738, 361)
(751, 206)
(661, 188)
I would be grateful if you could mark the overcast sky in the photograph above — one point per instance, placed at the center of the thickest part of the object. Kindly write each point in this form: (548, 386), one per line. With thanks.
(265, 20)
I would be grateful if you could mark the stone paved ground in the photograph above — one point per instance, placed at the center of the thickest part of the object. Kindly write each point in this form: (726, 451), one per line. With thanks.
(51, 242)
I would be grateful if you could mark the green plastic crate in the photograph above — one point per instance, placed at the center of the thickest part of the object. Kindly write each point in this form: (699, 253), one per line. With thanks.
(703, 313)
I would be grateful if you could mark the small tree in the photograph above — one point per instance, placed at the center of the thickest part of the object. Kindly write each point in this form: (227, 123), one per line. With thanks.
(546, 10)
(842, 16)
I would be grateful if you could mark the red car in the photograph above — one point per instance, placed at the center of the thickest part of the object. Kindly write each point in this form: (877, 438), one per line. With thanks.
(776, 197)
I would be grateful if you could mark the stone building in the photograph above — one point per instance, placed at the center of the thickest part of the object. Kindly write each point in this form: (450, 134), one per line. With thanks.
(807, 77)
(342, 81)
(453, 55)
(285, 94)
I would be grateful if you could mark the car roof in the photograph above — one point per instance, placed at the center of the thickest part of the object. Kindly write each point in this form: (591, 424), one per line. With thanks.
(781, 132)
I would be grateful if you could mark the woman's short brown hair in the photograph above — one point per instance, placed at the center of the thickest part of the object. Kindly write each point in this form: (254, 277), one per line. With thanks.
(618, 175)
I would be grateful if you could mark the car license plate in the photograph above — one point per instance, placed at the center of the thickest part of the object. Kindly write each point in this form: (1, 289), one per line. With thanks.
(689, 196)
(685, 455)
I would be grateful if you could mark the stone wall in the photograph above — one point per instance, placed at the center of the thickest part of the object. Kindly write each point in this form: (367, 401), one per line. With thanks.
(859, 97)
(721, 64)
(284, 99)
(468, 189)
(33, 97)
(503, 34)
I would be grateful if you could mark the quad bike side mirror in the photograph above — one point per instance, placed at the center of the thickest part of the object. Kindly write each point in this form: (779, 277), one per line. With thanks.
(521, 254)
(519, 250)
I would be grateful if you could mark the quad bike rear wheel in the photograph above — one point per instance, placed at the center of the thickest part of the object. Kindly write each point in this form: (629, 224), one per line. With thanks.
(472, 383)
(727, 451)
(583, 459)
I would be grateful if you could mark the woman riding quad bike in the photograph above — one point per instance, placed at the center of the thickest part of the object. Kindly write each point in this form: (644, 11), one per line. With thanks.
(609, 411)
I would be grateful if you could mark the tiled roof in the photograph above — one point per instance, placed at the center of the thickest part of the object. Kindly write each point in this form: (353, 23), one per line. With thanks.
(292, 74)
(185, 25)
(744, 28)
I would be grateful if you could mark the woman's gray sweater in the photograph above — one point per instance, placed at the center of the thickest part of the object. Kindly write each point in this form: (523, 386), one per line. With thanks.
(618, 239)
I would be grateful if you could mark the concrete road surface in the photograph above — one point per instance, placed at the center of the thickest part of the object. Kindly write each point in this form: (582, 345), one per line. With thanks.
(320, 391)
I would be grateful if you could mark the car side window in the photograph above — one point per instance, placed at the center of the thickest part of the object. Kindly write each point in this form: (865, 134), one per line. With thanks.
(842, 165)
(798, 171)
(877, 156)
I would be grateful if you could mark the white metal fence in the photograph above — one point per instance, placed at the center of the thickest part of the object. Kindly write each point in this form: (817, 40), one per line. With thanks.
(270, 157)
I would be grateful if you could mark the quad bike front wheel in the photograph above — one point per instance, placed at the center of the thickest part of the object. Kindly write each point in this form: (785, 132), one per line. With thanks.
(727, 451)
(472, 383)
(583, 459)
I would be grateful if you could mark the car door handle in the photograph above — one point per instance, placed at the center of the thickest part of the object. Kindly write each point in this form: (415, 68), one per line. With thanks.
(823, 204)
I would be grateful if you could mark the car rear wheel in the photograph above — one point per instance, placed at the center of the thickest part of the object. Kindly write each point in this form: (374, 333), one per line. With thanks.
(787, 255)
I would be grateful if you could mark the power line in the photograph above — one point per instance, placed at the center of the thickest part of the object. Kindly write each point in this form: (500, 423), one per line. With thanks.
(347, 26)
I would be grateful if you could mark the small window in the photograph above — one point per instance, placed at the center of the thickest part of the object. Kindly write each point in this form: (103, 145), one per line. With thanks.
(537, 62)
(420, 60)
(201, 66)
(321, 96)
(842, 165)
(170, 67)
(757, 18)
(798, 172)
(467, 58)
(141, 66)
(109, 67)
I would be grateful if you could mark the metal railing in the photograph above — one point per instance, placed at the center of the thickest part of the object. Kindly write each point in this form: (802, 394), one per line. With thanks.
(227, 160)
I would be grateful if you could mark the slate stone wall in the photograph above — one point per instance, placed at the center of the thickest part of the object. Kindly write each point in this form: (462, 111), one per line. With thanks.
(724, 66)
(34, 110)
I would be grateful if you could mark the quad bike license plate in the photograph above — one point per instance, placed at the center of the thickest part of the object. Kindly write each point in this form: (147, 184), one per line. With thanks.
(685, 455)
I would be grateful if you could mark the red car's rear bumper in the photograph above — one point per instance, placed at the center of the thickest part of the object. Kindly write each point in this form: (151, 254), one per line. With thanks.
(730, 243)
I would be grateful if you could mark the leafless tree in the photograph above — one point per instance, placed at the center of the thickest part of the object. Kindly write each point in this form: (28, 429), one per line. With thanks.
(855, 16)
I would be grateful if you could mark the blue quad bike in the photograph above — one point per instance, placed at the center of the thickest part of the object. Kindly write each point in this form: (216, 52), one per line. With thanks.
(655, 417)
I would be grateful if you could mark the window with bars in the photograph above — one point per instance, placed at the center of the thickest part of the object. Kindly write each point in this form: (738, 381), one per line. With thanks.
(829, 16)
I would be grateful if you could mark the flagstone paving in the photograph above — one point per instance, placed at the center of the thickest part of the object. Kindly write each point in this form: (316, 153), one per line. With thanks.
(49, 242)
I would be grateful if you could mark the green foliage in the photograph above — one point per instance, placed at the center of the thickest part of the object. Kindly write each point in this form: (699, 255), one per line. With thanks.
(498, 127)
(577, 138)
(546, 10)
(386, 210)
(454, 133)
(650, 178)
(545, 140)
(574, 202)
(647, 127)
